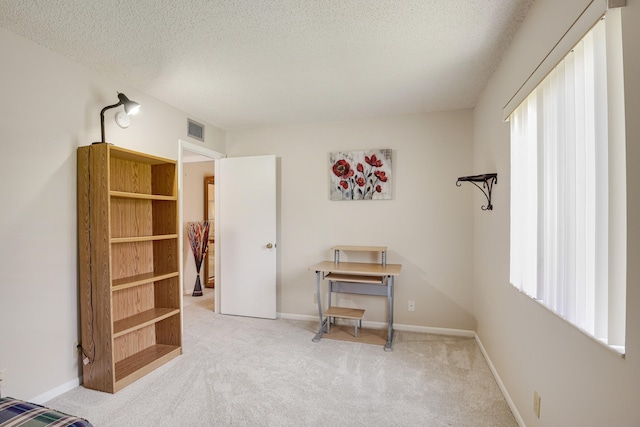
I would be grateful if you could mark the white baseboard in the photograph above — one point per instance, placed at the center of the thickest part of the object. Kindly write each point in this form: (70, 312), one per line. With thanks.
(503, 389)
(432, 330)
(289, 316)
(55, 392)
(396, 326)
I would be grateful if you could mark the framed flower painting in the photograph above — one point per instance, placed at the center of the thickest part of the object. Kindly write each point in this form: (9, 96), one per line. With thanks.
(360, 175)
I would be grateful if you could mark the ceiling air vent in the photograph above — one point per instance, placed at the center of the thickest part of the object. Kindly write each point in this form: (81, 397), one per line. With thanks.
(195, 130)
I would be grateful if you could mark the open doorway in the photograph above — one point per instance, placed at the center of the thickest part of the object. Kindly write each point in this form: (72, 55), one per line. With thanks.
(195, 163)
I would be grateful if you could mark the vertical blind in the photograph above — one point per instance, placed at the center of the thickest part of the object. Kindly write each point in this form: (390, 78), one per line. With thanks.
(560, 189)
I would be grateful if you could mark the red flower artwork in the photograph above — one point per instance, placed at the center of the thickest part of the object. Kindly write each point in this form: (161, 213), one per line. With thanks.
(368, 180)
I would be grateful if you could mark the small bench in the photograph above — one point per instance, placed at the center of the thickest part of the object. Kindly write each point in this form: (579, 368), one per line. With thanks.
(344, 313)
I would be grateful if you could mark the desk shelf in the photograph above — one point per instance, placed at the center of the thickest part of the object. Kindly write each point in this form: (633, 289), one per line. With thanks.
(351, 248)
(354, 278)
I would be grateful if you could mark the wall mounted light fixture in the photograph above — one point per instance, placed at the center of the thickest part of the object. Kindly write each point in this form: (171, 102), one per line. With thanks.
(130, 107)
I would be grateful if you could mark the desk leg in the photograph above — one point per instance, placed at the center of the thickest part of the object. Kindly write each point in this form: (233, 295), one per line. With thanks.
(387, 346)
(321, 328)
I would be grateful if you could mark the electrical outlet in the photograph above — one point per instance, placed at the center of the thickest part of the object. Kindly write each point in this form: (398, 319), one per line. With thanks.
(412, 305)
(3, 378)
(536, 404)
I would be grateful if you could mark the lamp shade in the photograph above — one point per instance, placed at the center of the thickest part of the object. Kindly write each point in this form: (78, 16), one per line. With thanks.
(130, 107)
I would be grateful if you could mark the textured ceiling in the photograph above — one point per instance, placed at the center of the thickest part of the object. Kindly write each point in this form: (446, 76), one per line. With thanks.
(251, 63)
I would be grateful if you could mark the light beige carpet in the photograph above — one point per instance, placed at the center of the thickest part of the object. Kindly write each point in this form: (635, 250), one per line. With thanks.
(238, 371)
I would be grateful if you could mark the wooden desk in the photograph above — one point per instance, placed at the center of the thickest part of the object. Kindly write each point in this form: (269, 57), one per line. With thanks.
(357, 278)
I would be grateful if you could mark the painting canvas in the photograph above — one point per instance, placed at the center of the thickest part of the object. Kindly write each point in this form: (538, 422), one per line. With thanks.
(360, 175)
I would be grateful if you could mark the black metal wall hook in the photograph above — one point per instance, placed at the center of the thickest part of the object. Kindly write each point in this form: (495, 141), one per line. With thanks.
(487, 180)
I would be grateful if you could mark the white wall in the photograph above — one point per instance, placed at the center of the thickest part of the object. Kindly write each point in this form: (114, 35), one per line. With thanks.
(581, 382)
(51, 106)
(427, 226)
(193, 175)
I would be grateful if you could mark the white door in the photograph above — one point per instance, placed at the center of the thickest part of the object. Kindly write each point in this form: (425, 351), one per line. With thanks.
(246, 227)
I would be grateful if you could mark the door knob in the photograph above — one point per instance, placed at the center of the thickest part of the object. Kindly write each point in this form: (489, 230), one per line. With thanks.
(269, 246)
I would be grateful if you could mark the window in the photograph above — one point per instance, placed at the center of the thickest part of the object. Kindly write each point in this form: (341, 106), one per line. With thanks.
(565, 193)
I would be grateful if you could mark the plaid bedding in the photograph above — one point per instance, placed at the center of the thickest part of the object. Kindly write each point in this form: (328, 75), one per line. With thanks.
(14, 413)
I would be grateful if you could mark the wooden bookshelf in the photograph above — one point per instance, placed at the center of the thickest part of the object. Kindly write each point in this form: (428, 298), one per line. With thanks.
(128, 264)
